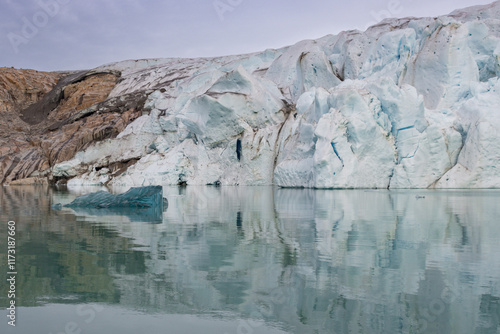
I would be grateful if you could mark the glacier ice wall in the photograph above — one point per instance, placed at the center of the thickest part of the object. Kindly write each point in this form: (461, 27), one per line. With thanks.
(409, 103)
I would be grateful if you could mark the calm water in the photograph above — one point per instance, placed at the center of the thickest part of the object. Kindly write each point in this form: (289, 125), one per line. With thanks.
(257, 260)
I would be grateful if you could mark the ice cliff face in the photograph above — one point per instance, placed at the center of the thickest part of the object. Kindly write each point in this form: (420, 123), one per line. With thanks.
(409, 103)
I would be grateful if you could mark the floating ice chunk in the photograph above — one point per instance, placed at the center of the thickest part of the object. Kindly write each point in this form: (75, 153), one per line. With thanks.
(140, 197)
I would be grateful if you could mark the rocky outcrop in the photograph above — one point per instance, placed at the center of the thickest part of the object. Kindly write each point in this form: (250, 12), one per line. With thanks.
(68, 115)
(20, 88)
(409, 103)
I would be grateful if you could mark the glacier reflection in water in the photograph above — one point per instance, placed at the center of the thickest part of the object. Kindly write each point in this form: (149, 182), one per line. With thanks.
(261, 260)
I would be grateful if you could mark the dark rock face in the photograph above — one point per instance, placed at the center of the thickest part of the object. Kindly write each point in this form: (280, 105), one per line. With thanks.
(139, 197)
(50, 116)
(72, 93)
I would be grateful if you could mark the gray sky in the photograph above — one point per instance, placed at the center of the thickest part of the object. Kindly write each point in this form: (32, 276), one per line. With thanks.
(80, 34)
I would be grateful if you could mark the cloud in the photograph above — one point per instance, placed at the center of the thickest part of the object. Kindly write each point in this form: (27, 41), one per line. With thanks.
(86, 34)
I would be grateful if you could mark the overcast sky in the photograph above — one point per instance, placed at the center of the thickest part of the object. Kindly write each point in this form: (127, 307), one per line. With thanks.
(81, 34)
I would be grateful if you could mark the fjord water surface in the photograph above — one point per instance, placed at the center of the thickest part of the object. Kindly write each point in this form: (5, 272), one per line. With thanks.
(257, 260)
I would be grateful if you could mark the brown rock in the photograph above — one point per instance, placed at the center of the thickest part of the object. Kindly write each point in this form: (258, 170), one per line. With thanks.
(83, 94)
(49, 122)
(20, 88)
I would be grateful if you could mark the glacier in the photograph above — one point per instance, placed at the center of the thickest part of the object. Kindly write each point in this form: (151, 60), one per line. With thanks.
(408, 103)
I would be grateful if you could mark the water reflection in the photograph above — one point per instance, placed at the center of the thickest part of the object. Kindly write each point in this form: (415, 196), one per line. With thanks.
(289, 260)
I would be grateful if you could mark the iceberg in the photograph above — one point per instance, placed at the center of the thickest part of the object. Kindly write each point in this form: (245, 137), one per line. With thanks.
(139, 204)
(138, 197)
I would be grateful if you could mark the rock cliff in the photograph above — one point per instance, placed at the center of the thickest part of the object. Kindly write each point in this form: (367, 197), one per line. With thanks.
(409, 103)
(51, 116)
